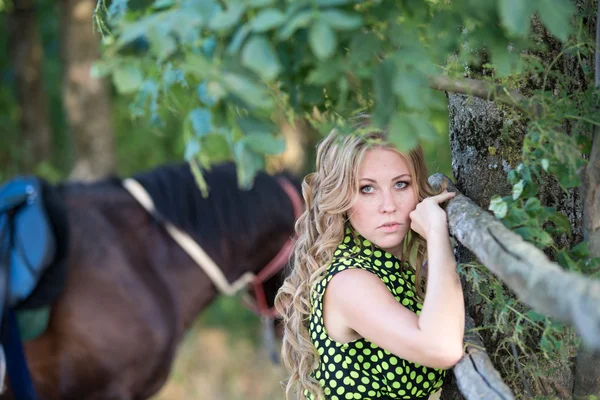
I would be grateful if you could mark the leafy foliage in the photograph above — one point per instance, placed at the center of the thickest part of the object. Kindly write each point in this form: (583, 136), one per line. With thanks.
(256, 59)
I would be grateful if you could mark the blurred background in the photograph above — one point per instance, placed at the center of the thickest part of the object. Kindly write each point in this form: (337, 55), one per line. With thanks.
(59, 122)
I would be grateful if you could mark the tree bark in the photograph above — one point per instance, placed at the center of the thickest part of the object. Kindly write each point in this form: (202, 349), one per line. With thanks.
(86, 99)
(587, 366)
(27, 55)
(485, 145)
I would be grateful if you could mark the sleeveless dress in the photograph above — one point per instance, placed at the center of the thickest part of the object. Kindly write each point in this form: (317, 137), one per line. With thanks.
(360, 369)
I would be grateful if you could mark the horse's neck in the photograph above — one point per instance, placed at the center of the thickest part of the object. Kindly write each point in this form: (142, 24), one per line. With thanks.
(179, 278)
(189, 285)
(234, 262)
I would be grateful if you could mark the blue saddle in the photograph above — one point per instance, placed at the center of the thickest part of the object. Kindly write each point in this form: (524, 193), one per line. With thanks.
(32, 243)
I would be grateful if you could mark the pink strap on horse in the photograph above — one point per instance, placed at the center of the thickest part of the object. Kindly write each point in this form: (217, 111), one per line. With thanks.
(260, 307)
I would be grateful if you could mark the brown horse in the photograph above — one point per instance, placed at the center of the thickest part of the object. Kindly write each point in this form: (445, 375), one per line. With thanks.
(131, 291)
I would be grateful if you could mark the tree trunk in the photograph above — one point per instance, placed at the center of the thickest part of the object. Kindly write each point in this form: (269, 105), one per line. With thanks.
(485, 145)
(27, 55)
(587, 368)
(86, 99)
(482, 154)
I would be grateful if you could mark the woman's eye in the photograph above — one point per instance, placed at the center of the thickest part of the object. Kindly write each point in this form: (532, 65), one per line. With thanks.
(401, 185)
(367, 189)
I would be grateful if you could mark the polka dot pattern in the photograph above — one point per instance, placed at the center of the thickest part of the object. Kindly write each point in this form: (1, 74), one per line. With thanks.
(360, 369)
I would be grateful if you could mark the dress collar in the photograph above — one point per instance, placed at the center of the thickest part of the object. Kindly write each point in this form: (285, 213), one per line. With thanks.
(361, 247)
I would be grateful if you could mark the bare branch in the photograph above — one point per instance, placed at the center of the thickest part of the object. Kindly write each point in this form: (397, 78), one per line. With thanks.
(485, 91)
(475, 374)
(537, 281)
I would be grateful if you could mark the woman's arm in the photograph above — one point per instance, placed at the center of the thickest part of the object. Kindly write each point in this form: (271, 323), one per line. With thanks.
(358, 304)
(443, 309)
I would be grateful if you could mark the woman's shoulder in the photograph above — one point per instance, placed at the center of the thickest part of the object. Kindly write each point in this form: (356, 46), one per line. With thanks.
(345, 260)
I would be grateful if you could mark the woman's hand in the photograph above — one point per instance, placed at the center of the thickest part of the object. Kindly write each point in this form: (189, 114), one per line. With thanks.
(428, 216)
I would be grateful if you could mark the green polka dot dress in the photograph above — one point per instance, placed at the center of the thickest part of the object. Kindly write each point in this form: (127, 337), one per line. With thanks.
(360, 369)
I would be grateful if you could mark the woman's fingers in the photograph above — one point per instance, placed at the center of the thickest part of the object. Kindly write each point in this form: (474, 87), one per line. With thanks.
(442, 197)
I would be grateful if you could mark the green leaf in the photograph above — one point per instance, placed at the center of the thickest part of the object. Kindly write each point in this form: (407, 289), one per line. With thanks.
(161, 44)
(561, 221)
(263, 143)
(255, 96)
(259, 3)
(332, 3)
(250, 125)
(238, 39)
(192, 147)
(533, 206)
(325, 72)
(101, 68)
(385, 101)
(498, 207)
(516, 217)
(209, 93)
(401, 132)
(201, 120)
(364, 47)
(566, 262)
(311, 94)
(566, 176)
(503, 61)
(580, 250)
(127, 78)
(516, 15)
(556, 14)
(248, 164)
(518, 189)
(342, 20)
(322, 39)
(409, 88)
(216, 147)
(535, 316)
(545, 164)
(535, 235)
(259, 55)
(267, 20)
(159, 4)
(228, 18)
(299, 20)
(422, 128)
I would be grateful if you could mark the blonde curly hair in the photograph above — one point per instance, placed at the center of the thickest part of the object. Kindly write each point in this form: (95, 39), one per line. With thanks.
(329, 192)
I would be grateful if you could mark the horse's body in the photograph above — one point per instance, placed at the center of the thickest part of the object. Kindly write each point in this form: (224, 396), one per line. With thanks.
(132, 291)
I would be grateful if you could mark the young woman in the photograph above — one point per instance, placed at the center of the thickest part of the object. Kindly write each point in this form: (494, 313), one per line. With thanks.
(357, 322)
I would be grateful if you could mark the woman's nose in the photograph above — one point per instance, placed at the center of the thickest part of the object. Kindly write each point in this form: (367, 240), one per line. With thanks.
(388, 203)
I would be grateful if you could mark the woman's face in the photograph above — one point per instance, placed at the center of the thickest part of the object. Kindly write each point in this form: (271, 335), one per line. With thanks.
(385, 198)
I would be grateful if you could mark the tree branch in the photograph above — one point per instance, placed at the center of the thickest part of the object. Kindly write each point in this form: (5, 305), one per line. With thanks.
(537, 281)
(475, 374)
(486, 91)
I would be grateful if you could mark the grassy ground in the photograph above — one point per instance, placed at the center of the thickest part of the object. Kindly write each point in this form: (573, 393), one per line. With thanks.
(223, 359)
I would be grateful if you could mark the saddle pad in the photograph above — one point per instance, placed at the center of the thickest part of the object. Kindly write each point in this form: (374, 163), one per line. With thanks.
(33, 245)
(32, 323)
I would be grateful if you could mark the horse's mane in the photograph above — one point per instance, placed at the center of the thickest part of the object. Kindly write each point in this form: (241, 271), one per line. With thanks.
(227, 211)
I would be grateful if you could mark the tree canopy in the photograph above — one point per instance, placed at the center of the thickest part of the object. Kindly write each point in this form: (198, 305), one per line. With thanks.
(247, 61)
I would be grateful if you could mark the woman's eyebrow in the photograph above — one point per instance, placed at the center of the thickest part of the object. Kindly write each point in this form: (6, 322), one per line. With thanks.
(393, 179)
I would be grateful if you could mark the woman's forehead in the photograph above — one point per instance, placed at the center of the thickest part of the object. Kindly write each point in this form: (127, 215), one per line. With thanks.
(381, 163)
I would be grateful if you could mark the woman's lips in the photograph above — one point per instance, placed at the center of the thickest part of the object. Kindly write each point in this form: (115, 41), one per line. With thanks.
(390, 227)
